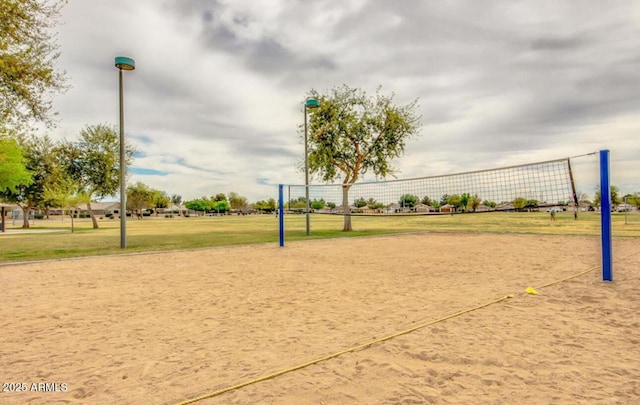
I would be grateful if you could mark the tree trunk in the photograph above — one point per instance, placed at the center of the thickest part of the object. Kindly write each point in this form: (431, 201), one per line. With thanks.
(25, 215)
(71, 212)
(345, 208)
(93, 217)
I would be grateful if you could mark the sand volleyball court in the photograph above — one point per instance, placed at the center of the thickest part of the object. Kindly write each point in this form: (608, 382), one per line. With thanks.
(167, 328)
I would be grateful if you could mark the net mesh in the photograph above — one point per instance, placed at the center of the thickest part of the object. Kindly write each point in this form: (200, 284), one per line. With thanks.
(534, 185)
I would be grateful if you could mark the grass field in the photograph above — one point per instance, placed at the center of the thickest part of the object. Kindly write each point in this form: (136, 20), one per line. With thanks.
(160, 234)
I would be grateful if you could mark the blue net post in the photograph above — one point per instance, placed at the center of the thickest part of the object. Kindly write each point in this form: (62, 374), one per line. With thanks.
(605, 217)
(281, 213)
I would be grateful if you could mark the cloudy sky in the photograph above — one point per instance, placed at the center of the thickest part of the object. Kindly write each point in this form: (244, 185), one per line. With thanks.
(215, 102)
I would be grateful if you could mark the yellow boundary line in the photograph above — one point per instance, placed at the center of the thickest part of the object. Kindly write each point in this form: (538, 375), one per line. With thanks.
(582, 272)
(334, 355)
(372, 342)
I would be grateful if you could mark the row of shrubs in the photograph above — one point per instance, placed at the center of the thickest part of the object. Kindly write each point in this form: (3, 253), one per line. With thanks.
(109, 215)
(41, 216)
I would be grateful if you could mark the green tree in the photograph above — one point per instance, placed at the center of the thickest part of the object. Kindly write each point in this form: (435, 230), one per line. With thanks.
(28, 54)
(13, 169)
(205, 204)
(94, 162)
(266, 206)
(139, 197)
(490, 204)
(238, 202)
(271, 204)
(260, 206)
(474, 202)
(219, 206)
(160, 199)
(199, 204)
(299, 202)
(56, 175)
(465, 198)
(352, 134)
(317, 204)
(63, 193)
(455, 201)
(331, 205)
(426, 200)
(219, 197)
(615, 196)
(519, 203)
(360, 202)
(408, 200)
(633, 199)
(373, 204)
(42, 163)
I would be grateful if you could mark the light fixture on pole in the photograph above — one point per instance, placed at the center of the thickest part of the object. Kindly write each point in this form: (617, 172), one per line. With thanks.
(123, 63)
(310, 102)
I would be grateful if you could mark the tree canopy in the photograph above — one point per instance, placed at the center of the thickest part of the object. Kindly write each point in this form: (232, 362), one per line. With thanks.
(94, 162)
(176, 199)
(42, 163)
(317, 204)
(139, 197)
(63, 193)
(615, 196)
(160, 199)
(13, 169)
(352, 134)
(267, 206)
(408, 200)
(28, 52)
(238, 202)
(219, 197)
(633, 199)
(205, 204)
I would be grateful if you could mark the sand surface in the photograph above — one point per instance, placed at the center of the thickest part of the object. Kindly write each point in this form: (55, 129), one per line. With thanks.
(166, 328)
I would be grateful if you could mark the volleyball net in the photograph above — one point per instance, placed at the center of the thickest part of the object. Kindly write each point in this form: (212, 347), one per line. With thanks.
(525, 187)
(521, 187)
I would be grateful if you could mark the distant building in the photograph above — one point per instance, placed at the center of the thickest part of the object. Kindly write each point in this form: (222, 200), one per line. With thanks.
(483, 208)
(424, 208)
(447, 208)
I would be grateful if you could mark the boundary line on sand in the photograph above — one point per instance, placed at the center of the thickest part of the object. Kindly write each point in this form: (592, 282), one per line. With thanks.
(374, 341)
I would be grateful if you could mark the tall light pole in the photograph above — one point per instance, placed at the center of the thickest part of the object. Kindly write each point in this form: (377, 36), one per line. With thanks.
(123, 63)
(310, 102)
